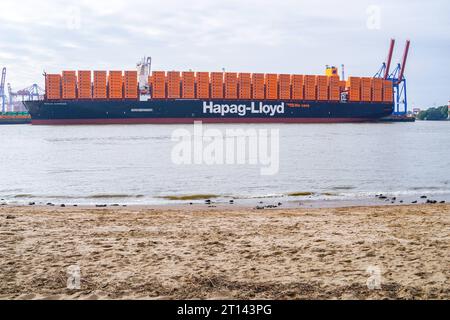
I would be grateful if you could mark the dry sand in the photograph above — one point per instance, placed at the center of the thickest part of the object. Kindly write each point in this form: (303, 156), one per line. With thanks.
(163, 253)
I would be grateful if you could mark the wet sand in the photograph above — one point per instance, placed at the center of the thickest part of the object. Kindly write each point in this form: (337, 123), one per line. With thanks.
(196, 252)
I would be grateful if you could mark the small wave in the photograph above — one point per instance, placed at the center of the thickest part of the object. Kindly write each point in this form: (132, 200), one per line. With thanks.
(190, 197)
(300, 194)
(109, 196)
(343, 188)
(25, 195)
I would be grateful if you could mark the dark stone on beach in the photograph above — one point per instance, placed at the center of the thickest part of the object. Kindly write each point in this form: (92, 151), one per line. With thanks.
(3, 204)
(231, 201)
(382, 197)
(442, 202)
(75, 205)
(392, 201)
(394, 198)
(124, 205)
(190, 203)
(101, 205)
(10, 217)
(423, 197)
(31, 203)
(261, 202)
(208, 201)
(259, 208)
(114, 205)
(401, 201)
(414, 201)
(280, 204)
(63, 205)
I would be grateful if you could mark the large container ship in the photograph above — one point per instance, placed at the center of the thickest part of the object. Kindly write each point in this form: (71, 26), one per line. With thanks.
(141, 96)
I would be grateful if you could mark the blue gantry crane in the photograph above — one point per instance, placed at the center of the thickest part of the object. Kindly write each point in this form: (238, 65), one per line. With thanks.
(398, 79)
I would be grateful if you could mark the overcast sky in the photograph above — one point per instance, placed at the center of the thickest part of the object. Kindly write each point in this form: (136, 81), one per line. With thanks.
(283, 36)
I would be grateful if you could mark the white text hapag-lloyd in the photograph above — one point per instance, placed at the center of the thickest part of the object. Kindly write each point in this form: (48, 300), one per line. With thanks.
(243, 109)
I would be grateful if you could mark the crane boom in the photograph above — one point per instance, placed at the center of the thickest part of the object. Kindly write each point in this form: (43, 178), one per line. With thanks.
(403, 65)
(389, 59)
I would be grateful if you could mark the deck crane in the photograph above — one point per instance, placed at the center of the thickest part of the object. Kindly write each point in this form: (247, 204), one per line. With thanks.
(144, 71)
(398, 79)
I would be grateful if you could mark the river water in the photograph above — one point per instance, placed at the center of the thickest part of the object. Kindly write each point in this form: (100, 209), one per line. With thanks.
(134, 164)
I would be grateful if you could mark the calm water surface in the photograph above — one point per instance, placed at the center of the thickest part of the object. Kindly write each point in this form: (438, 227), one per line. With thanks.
(131, 164)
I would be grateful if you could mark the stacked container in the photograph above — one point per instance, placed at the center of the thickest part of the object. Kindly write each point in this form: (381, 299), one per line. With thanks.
(173, 85)
(115, 85)
(334, 88)
(354, 89)
(377, 90)
(53, 86)
(158, 81)
(216, 85)
(231, 85)
(297, 87)
(69, 85)
(131, 85)
(100, 91)
(271, 86)
(202, 85)
(310, 87)
(258, 86)
(245, 86)
(84, 85)
(284, 81)
(188, 85)
(322, 88)
(366, 89)
(388, 91)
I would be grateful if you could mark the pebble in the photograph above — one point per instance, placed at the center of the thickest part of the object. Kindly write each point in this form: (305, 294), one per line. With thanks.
(414, 201)
(423, 197)
(259, 208)
(10, 217)
(101, 205)
(63, 205)
(31, 203)
(442, 202)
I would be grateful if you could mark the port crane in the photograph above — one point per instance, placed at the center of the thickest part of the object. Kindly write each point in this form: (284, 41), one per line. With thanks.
(16, 99)
(397, 76)
(144, 68)
(2, 90)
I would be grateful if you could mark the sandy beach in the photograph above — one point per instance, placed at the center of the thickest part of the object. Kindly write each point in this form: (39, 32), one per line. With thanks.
(225, 253)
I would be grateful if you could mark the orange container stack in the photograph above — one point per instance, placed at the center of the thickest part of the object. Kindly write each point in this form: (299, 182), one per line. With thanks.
(334, 88)
(69, 85)
(284, 81)
(53, 86)
(245, 85)
(297, 87)
(271, 86)
(322, 88)
(115, 85)
(158, 81)
(388, 91)
(354, 87)
(131, 85)
(173, 85)
(188, 85)
(216, 85)
(366, 89)
(377, 89)
(258, 86)
(310, 87)
(231, 85)
(202, 85)
(100, 91)
(84, 85)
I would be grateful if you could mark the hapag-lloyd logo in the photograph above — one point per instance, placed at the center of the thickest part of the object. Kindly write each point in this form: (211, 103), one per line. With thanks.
(243, 109)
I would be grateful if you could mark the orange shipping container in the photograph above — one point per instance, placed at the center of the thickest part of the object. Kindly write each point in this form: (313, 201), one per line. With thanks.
(202, 85)
(271, 86)
(53, 86)
(84, 85)
(354, 88)
(115, 85)
(231, 85)
(188, 85)
(388, 91)
(245, 86)
(366, 89)
(310, 87)
(173, 85)
(69, 85)
(158, 83)
(334, 88)
(322, 88)
(131, 85)
(284, 81)
(377, 89)
(100, 91)
(216, 85)
(258, 86)
(297, 87)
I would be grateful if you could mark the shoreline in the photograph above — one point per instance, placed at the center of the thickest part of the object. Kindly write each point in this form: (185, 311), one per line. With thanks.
(219, 253)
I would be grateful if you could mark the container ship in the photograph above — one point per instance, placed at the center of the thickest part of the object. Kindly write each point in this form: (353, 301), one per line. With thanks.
(14, 118)
(159, 97)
